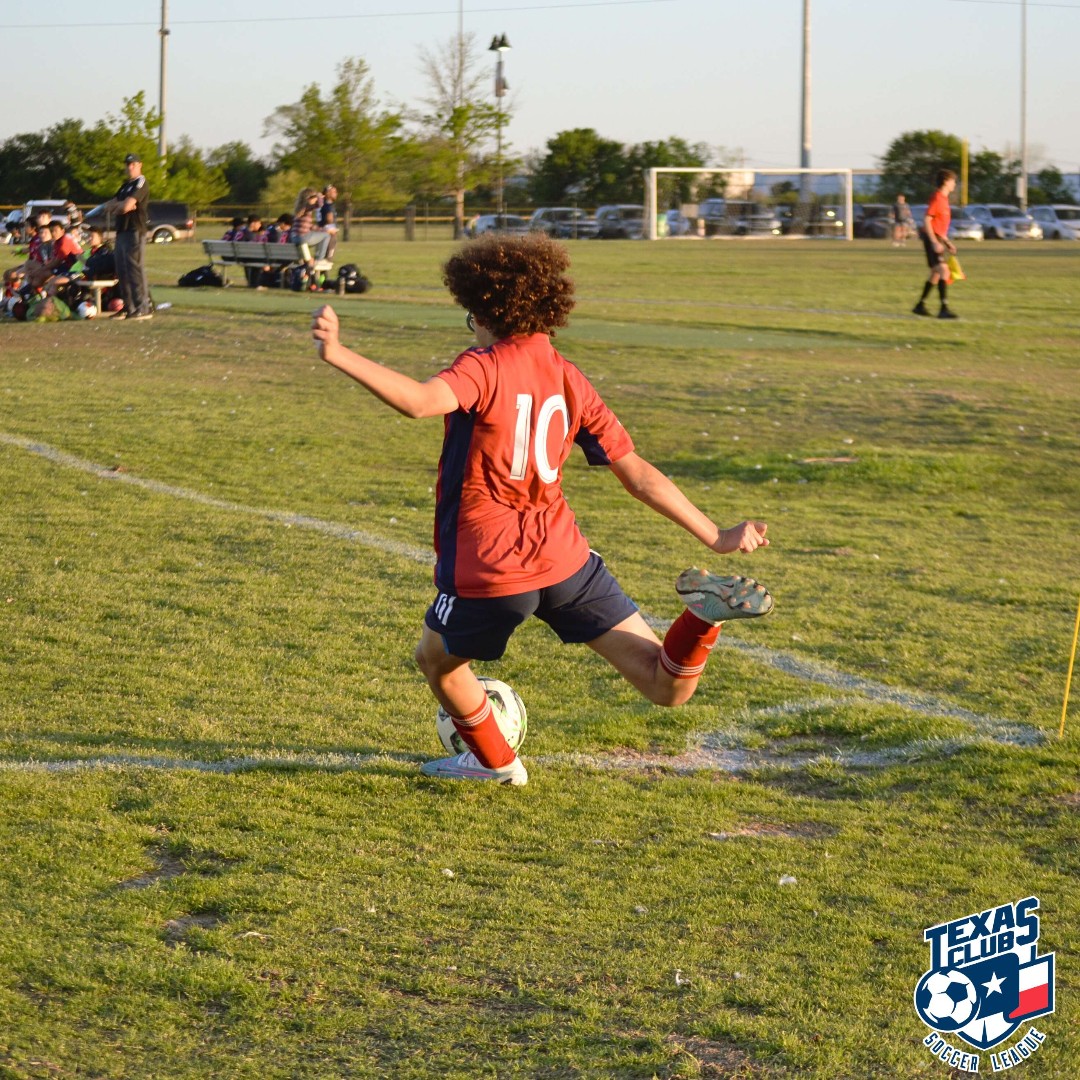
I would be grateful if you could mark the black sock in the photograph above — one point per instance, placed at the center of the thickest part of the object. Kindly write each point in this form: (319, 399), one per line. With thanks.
(941, 288)
(926, 291)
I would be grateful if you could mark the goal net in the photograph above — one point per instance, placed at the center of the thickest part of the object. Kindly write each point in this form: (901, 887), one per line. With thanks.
(793, 203)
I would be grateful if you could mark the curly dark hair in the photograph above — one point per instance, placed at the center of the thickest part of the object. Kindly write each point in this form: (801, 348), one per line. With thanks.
(512, 284)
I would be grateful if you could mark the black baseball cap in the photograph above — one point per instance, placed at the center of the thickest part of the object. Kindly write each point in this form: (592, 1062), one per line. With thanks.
(132, 158)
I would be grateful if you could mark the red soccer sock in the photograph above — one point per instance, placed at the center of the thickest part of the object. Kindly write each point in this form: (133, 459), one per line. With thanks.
(687, 645)
(481, 733)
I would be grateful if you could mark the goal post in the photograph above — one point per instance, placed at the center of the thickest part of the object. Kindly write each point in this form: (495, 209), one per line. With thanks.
(748, 202)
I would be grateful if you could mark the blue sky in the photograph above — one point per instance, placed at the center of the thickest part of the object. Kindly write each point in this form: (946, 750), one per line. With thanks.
(724, 72)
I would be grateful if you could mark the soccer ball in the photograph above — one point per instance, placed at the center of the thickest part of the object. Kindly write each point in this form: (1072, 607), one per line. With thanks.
(948, 998)
(509, 712)
(116, 304)
(86, 310)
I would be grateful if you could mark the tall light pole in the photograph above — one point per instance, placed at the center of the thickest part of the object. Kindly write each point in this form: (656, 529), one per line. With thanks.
(805, 137)
(1022, 183)
(163, 33)
(804, 153)
(499, 45)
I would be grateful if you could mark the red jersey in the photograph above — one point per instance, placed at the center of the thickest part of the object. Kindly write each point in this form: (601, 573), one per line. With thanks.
(938, 214)
(502, 524)
(66, 250)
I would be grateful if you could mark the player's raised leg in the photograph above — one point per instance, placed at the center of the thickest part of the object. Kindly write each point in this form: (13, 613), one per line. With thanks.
(460, 693)
(668, 673)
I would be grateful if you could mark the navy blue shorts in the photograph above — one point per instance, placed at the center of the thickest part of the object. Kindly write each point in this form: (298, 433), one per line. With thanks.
(579, 609)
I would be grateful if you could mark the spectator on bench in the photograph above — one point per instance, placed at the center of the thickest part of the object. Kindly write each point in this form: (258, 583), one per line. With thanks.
(278, 233)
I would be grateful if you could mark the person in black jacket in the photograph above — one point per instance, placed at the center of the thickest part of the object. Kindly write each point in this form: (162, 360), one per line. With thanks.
(130, 208)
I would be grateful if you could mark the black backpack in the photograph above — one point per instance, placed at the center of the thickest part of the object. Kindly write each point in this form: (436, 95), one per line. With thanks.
(202, 275)
(354, 281)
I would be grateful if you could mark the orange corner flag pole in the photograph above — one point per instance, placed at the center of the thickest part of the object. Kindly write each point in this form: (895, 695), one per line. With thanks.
(1068, 678)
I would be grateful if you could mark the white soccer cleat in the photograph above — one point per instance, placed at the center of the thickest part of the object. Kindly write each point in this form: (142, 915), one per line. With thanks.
(715, 599)
(467, 767)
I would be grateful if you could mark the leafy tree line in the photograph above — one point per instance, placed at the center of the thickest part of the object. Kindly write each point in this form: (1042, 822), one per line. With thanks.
(382, 158)
(912, 159)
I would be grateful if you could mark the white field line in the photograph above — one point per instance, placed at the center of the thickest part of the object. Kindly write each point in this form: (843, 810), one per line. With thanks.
(703, 757)
(798, 667)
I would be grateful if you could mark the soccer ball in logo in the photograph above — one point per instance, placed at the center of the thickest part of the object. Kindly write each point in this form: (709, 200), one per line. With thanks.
(948, 998)
(509, 712)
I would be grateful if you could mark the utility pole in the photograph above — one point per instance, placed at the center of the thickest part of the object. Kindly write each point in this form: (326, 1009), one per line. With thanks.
(163, 33)
(499, 45)
(804, 155)
(1022, 183)
(804, 149)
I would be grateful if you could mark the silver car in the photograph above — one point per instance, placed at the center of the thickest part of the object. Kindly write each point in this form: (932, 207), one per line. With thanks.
(965, 226)
(501, 223)
(1003, 222)
(563, 222)
(1059, 221)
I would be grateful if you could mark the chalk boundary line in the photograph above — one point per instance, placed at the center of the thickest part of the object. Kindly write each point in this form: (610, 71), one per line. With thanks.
(713, 749)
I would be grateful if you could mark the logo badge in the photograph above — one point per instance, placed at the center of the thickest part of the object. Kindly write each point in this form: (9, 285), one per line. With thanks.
(986, 977)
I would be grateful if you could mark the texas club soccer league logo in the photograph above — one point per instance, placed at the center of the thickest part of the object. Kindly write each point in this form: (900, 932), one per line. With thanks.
(986, 979)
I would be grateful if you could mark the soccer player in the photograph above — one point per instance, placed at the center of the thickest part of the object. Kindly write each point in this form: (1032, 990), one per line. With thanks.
(506, 541)
(936, 242)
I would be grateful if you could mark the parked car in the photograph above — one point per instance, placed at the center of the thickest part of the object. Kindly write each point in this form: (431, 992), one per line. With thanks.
(563, 222)
(965, 226)
(713, 213)
(1059, 221)
(677, 223)
(621, 222)
(168, 221)
(1002, 222)
(872, 221)
(753, 219)
(501, 223)
(825, 220)
(19, 221)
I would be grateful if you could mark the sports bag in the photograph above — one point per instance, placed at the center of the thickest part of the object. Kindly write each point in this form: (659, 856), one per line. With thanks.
(201, 275)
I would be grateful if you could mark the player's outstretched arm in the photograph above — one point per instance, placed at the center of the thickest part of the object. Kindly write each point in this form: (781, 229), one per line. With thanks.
(650, 486)
(401, 392)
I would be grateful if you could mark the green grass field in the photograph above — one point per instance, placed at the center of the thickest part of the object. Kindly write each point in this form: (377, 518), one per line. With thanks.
(217, 857)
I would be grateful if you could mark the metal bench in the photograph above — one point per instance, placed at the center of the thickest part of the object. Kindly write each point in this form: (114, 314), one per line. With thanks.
(279, 257)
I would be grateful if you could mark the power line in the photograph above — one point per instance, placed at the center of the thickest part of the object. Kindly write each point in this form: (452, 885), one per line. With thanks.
(336, 18)
(1016, 3)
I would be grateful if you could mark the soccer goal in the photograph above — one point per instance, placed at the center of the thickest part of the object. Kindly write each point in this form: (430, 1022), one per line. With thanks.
(748, 203)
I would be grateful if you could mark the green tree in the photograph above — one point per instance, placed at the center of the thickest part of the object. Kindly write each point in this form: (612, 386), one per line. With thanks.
(282, 187)
(190, 179)
(245, 174)
(913, 159)
(1050, 187)
(459, 128)
(99, 166)
(991, 178)
(343, 138)
(580, 164)
(39, 164)
(667, 154)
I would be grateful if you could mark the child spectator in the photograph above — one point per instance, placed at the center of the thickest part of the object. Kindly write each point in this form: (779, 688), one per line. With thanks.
(278, 233)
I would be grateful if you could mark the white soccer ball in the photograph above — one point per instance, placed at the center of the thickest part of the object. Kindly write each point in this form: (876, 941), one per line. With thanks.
(509, 712)
(949, 997)
(86, 310)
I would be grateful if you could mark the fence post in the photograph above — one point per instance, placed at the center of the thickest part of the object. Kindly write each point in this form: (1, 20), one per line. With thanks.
(410, 221)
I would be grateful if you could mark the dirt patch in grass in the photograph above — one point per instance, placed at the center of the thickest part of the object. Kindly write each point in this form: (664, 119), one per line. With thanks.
(710, 1058)
(166, 867)
(800, 830)
(176, 930)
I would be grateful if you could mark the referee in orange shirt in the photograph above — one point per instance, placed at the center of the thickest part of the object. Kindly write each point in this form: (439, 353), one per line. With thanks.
(936, 242)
